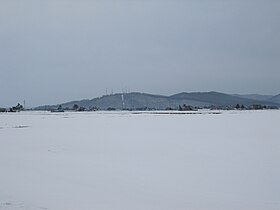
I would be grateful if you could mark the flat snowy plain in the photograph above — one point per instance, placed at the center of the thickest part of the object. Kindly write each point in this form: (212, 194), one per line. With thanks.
(144, 161)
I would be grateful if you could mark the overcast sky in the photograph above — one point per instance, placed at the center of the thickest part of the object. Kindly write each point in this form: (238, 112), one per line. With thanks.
(53, 51)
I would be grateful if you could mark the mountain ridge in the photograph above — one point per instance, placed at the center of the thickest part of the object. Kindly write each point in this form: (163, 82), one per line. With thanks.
(275, 99)
(138, 100)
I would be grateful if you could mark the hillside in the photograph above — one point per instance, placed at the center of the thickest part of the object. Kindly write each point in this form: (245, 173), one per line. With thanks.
(275, 99)
(258, 97)
(215, 98)
(143, 100)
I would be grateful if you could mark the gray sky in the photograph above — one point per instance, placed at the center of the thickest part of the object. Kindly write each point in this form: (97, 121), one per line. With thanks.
(52, 51)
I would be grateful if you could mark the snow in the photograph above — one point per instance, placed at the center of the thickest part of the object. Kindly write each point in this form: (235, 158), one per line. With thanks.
(144, 160)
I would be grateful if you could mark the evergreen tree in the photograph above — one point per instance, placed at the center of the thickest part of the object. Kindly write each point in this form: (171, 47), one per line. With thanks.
(75, 107)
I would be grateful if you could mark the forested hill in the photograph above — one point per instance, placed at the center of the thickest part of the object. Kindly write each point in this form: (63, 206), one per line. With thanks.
(136, 100)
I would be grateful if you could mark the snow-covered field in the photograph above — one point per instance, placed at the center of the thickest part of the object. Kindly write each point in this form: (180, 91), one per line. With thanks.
(126, 161)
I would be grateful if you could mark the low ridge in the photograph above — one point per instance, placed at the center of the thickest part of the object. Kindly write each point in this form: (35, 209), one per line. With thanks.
(136, 100)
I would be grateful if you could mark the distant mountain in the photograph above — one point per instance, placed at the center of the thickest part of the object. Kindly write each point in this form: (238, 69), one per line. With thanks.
(266, 98)
(257, 97)
(215, 98)
(129, 101)
(275, 99)
(143, 100)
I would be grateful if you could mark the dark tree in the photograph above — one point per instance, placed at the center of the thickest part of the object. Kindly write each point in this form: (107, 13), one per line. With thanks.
(75, 107)
(16, 108)
(180, 108)
(187, 108)
(82, 109)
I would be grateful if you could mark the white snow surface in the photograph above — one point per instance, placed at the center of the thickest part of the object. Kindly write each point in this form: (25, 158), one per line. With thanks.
(143, 161)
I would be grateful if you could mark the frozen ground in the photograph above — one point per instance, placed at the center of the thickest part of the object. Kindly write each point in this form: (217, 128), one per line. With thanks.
(124, 161)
